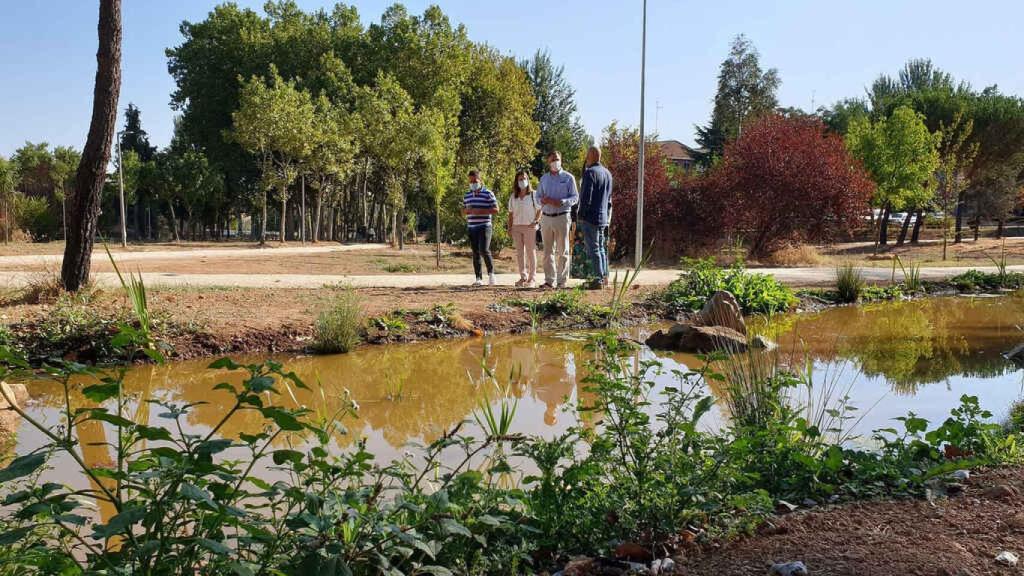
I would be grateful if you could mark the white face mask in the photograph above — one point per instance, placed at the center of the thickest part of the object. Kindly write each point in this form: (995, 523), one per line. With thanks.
(524, 184)
(556, 166)
(474, 186)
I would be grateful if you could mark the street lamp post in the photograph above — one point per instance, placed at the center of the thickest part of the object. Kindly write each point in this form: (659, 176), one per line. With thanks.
(120, 178)
(638, 254)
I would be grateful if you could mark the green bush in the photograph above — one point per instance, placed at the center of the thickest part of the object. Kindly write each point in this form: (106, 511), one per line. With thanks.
(978, 281)
(756, 293)
(339, 329)
(35, 217)
(849, 283)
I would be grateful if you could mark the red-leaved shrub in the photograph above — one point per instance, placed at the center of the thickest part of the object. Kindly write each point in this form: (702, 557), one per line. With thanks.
(785, 181)
(675, 221)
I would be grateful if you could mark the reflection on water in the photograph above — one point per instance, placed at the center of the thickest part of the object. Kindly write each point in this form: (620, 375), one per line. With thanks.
(911, 344)
(911, 355)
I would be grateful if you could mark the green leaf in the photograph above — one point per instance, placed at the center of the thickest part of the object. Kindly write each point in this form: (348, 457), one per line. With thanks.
(22, 466)
(284, 419)
(282, 456)
(100, 393)
(12, 536)
(214, 546)
(451, 526)
(224, 364)
(120, 523)
(436, 570)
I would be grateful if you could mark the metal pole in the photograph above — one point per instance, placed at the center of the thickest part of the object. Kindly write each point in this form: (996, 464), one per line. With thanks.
(638, 254)
(120, 177)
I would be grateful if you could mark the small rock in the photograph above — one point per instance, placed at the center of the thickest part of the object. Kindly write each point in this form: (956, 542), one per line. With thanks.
(1007, 559)
(761, 343)
(1017, 522)
(632, 551)
(809, 503)
(1001, 491)
(663, 566)
(960, 475)
(783, 507)
(954, 488)
(788, 569)
(581, 566)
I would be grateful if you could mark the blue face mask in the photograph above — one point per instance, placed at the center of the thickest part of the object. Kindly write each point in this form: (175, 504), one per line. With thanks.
(475, 186)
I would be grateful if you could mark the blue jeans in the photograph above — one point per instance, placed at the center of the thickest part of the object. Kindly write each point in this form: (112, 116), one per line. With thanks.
(594, 241)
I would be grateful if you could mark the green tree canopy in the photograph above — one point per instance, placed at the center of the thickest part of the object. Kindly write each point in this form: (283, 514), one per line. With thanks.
(745, 92)
(555, 113)
(901, 156)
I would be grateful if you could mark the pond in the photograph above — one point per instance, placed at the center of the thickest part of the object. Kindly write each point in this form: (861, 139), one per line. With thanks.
(890, 358)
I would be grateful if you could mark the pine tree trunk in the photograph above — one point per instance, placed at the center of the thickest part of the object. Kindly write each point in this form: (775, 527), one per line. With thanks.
(174, 222)
(263, 220)
(904, 228)
(915, 238)
(959, 227)
(92, 169)
(284, 211)
(883, 227)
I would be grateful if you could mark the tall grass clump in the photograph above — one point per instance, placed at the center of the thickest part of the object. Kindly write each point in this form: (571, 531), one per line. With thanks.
(339, 328)
(911, 271)
(849, 283)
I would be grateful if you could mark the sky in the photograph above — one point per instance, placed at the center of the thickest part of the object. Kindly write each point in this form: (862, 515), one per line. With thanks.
(824, 50)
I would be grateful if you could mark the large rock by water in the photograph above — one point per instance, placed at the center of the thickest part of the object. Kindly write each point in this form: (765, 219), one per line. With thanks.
(718, 326)
(722, 309)
(698, 339)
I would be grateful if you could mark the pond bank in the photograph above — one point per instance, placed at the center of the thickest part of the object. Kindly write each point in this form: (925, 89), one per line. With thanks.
(959, 535)
(208, 322)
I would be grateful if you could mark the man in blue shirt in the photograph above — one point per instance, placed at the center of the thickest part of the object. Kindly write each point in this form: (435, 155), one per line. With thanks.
(557, 194)
(595, 214)
(479, 204)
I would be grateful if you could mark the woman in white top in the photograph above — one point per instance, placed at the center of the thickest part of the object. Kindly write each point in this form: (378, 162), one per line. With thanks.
(523, 217)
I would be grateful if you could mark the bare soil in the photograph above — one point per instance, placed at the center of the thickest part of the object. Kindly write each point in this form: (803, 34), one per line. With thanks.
(957, 536)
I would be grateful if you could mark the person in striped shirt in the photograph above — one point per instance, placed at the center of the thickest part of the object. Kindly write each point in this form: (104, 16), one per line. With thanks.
(479, 205)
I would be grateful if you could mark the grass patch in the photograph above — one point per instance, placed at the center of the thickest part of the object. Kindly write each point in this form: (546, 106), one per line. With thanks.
(401, 268)
(339, 329)
(849, 283)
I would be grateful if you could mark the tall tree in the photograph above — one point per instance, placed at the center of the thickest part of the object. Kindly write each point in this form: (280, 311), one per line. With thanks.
(745, 92)
(956, 154)
(8, 184)
(900, 155)
(34, 164)
(275, 120)
(133, 137)
(65, 162)
(556, 113)
(92, 170)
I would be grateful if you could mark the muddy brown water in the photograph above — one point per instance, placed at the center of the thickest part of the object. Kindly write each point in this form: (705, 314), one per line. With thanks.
(891, 358)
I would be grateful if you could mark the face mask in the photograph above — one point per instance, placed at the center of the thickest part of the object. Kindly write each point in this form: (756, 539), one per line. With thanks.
(524, 184)
(474, 186)
(556, 166)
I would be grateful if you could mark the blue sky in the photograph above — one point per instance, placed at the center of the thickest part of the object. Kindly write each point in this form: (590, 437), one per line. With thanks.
(824, 50)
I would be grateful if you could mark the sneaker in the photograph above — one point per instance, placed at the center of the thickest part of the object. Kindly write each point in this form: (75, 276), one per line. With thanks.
(490, 280)
(547, 286)
(530, 284)
(478, 282)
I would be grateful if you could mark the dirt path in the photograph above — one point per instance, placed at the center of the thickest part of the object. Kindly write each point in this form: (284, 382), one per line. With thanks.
(254, 251)
(791, 276)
